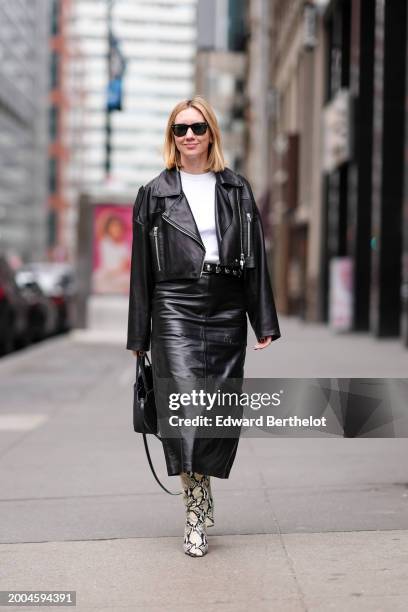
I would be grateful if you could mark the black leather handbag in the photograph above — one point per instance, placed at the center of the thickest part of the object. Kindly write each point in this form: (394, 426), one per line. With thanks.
(144, 405)
(144, 408)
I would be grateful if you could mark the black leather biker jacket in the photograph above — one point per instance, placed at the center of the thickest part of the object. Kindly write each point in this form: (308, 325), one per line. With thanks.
(167, 245)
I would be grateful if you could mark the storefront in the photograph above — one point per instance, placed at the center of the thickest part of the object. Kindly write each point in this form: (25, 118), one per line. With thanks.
(363, 179)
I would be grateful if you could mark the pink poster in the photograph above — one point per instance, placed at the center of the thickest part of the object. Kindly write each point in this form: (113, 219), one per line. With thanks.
(111, 249)
(341, 293)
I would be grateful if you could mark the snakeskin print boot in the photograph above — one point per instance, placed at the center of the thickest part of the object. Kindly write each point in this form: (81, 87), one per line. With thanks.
(195, 497)
(209, 519)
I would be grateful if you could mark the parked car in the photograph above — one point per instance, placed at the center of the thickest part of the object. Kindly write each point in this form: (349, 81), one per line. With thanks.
(57, 281)
(14, 311)
(43, 312)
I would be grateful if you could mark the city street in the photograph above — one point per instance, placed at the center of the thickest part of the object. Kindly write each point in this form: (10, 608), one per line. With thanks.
(301, 524)
(152, 143)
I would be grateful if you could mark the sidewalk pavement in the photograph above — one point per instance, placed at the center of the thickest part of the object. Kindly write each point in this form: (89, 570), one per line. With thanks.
(301, 524)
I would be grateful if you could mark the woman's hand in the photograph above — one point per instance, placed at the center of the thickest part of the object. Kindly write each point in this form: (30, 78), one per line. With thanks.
(263, 343)
(138, 353)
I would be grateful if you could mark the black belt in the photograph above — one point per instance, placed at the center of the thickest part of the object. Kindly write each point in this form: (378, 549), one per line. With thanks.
(215, 268)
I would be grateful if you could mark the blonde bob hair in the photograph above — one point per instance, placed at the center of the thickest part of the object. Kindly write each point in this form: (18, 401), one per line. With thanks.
(171, 155)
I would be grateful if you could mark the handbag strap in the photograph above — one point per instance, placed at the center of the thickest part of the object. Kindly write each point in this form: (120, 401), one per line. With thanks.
(140, 363)
(152, 468)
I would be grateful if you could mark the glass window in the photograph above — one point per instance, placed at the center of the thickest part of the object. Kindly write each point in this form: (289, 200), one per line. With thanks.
(53, 122)
(52, 175)
(54, 69)
(52, 227)
(55, 10)
(237, 30)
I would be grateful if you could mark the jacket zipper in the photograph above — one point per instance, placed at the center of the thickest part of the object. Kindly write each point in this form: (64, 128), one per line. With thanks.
(242, 256)
(249, 233)
(156, 242)
(190, 235)
(202, 265)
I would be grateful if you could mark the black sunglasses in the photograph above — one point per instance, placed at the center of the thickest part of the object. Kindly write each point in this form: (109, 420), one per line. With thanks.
(180, 129)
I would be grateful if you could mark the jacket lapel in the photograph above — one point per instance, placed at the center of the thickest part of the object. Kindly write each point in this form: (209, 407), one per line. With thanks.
(178, 211)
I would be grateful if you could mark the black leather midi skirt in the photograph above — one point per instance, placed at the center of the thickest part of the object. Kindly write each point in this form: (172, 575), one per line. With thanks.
(199, 334)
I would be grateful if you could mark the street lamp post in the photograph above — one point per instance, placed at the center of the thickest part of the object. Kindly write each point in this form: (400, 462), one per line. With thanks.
(108, 120)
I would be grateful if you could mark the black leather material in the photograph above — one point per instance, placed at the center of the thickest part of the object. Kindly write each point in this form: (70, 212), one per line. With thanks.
(199, 336)
(167, 246)
(144, 406)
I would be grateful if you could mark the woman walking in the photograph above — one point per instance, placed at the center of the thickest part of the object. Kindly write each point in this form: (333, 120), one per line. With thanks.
(198, 268)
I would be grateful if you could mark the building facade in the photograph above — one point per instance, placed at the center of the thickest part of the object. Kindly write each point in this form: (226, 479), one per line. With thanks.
(66, 170)
(221, 70)
(364, 185)
(23, 134)
(296, 93)
(158, 43)
(338, 175)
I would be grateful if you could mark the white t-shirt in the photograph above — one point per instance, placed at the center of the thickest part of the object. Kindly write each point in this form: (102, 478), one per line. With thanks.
(199, 190)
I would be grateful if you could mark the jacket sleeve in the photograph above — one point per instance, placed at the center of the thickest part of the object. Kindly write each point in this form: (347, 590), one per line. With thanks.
(260, 302)
(141, 279)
